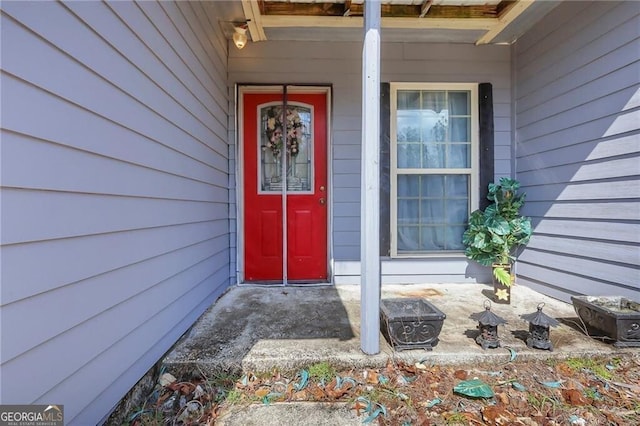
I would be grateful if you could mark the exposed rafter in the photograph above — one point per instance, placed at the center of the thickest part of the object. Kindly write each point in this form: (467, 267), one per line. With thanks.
(426, 5)
(347, 8)
(491, 17)
(507, 16)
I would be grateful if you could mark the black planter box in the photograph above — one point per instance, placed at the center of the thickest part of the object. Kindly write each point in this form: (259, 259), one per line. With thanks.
(615, 317)
(410, 323)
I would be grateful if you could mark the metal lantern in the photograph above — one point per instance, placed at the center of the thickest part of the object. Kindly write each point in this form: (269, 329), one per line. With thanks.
(488, 323)
(539, 324)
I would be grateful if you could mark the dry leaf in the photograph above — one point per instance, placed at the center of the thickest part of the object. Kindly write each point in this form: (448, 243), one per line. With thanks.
(166, 379)
(262, 392)
(460, 374)
(371, 376)
(302, 395)
(359, 406)
(496, 415)
(318, 393)
(574, 397)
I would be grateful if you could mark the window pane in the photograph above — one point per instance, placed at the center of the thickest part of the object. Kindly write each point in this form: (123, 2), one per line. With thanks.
(408, 128)
(458, 156)
(408, 155)
(433, 155)
(434, 101)
(457, 211)
(408, 99)
(408, 186)
(432, 186)
(296, 154)
(457, 186)
(407, 211)
(460, 129)
(432, 238)
(453, 236)
(408, 238)
(432, 211)
(459, 103)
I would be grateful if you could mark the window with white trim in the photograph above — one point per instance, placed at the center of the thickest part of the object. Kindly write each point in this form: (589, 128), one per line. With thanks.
(434, 166)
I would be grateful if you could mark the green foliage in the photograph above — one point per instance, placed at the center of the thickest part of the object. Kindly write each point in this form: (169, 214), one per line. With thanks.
(474, 388)
(493, 235)
(234, 396)
(595, 366)
(456, 419)
(322, 371)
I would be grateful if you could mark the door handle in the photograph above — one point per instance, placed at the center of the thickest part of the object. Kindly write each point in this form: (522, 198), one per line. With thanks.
(322, 201)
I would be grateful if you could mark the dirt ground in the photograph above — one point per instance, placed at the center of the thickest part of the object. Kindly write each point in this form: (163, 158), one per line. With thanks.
(574, 391)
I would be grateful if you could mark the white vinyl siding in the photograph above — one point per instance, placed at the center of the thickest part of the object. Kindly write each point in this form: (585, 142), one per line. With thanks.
(434, 166)
(115, 201)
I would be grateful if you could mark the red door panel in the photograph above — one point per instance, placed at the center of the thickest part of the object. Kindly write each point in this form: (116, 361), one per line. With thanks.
(306, 211)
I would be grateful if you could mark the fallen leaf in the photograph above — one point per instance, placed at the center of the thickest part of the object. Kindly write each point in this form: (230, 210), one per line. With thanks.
(460, 374)
(474, 388)
(262, 392)
(496, 415)
(517, 386)
(300, 395)
(318, 393)
(503, 397)
(371, 377)
(166, 379)
(574, 397)
(359, 406)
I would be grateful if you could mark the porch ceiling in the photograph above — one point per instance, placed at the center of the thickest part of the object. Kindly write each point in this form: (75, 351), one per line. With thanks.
(457, 21)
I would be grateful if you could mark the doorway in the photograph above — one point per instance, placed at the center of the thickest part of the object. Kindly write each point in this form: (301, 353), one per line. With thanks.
(284, 140)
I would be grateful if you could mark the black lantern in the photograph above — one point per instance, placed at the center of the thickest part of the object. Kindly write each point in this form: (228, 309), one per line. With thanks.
(539, 324)
(488, 323)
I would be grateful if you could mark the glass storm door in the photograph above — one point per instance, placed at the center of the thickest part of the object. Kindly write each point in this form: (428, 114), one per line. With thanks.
(293, 167)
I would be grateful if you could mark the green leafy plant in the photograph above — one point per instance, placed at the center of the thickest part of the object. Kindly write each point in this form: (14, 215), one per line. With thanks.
(322, 371)
(493, 235)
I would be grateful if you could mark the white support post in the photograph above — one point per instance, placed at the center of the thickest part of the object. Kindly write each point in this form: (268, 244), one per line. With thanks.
(370, 185)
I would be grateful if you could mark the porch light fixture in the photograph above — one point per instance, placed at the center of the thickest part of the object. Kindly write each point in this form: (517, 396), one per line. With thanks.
(539, 324)
(240, 36)
(488, 323)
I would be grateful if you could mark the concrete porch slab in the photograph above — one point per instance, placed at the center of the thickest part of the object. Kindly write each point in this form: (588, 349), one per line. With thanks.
(254, 328)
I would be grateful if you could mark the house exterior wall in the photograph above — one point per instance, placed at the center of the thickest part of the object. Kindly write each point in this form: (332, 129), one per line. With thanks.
(115, 213)
(340, 65)
(577, 100)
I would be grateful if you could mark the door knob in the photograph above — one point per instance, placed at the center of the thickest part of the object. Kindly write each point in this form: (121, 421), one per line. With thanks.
(322, 188)
(322, 201)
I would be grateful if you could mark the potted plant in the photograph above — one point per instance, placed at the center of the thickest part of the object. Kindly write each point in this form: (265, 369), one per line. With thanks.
(493, 235)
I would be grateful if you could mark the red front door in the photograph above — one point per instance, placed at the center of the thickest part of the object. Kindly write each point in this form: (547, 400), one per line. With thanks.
(298, 161)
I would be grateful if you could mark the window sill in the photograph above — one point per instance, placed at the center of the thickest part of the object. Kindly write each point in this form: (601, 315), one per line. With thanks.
(440, 255)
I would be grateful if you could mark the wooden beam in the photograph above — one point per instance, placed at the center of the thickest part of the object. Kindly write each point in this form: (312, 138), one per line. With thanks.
(279, 21)
(347, 8)
(387, 10)
(426, 5)
(508, 15)
(252, 14)
(370, 184)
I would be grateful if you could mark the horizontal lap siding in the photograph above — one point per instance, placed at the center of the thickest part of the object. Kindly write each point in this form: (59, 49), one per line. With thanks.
(115, 201)
(578, 149)
(339, 64)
